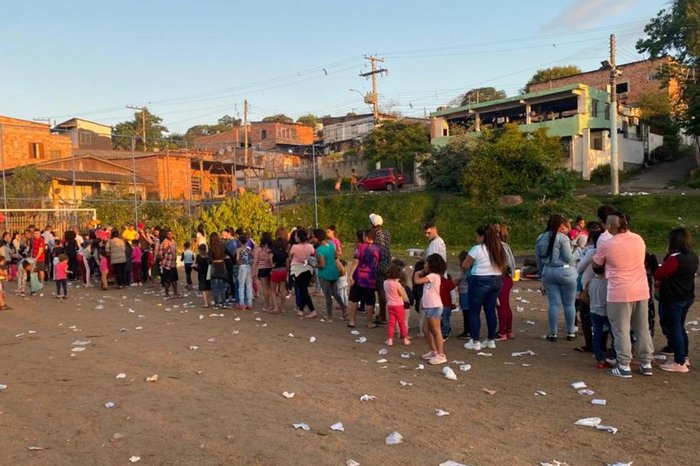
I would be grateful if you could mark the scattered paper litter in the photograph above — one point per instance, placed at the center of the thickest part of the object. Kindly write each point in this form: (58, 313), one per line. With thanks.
(530, 322)
(354, 332)
(381, 361)
(258, 319)
(81, 342)
(235, 332)
(301, 425)
(312, 339)
(361, 340)
(201, 316)
(452, 463)
(134, 459)
(152, 378)
(36, 448)
(441, 412)
(541, 393)
(394, 438)
(288, 394)
(110, 404)
(211, 340)
(194, 348)
(3, 386)
(481, 353)
(620, 463)
(383, 351)
(517, 354)
(78, 349)
(449, 373)
(519, 309)
(465, 367)
(138, 328)
(420, 367)
(660, 357)
(290, 335)
(121, 375)
(586, 391)
(338, 426)
(405, 384)
(578, 385)
(692, 322)
(237, 319)
(489, 391)
(351, 462)
(366, 397)
(599, 402)
(457, 362)
(554, 463)
(406, 355)
(595, 422)
(31, 332)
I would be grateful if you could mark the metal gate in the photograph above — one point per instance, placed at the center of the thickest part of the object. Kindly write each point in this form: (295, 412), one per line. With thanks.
(60, 219)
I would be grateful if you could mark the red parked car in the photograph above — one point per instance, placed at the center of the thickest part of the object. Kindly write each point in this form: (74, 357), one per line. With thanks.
(385, 178)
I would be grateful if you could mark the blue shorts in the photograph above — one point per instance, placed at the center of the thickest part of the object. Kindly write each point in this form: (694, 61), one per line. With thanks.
(432, 312)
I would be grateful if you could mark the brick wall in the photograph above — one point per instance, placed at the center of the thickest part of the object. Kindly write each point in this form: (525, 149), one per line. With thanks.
(640, 77)
(26, 142)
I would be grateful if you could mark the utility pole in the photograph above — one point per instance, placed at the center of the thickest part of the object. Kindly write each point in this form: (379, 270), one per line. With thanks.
(4, 181)
(245, 142)
(375, 101)
(143, 122)
(133, 174)
(614, 157)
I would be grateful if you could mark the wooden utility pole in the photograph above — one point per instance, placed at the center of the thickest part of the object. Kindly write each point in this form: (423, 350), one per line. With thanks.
(614, 157)
(375, 100)
(245, 142)
(143, 123)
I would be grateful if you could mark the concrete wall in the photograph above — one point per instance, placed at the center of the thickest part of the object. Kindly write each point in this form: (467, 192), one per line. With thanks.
(18, 138)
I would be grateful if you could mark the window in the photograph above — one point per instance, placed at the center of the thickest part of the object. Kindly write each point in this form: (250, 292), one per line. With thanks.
(622, 88)
(594, 108)
(263, 134)
(597, 141)
(607, 111)
(85, 138)
(36, 150)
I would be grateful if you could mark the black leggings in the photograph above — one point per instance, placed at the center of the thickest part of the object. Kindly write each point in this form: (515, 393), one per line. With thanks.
(301, 289)
(61, 284)
(119, 273)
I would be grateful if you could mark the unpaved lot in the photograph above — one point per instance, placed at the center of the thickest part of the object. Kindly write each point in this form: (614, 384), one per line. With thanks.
(222, 403)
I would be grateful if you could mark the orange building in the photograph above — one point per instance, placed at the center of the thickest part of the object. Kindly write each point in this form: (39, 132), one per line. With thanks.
(24, 142)
(261, 135)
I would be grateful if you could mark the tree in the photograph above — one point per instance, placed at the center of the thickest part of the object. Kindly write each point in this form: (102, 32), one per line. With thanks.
(444, 167)
(549, 74)
(27, 188)
(124, 131)
(396, 142)
(309, 120)
(278, 118)
(249, 211)
(657, 111)
(224, 123)
(674, 32)
(510, 162)
(480, 94)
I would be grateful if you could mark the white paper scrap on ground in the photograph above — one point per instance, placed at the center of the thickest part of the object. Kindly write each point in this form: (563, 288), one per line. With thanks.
(383, 351)
(599, 402)
(354, 332)
(381, 361)
(610, 429)
(366, 397)
(81, 342)
(441, 412)
(301, 425)
(121, 375)
(290, 335)
(449, 373)
(288, 394)
(452, 463)
(530, 322)
(351, 462)
(481, 353)
(660, 357)
(3, 387)
(554, 463)
(237, 319)
(338, 426)
(78, 349)
(586, 391)
(405, 384)
(312, 339)
(465, 367)
(152, 378)
(457, 362)
(578, 385)
(110, 404)
(620, 463)
(420, 367)
(588, 421)
(517, 354)
(488, 391)
(394, 438)
(134, 459)
(406, 355)
(361, 340)
(692, 322)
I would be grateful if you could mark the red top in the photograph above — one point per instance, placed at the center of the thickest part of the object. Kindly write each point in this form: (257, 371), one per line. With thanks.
(38, 249)
(446, 287)
(61, 271)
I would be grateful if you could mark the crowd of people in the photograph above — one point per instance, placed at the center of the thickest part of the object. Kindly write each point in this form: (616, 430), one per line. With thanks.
(597, 273)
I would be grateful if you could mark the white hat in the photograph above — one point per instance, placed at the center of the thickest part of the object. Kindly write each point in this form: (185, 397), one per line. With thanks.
(375, 219)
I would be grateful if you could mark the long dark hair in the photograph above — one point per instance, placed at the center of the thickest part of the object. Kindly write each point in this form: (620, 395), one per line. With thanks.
(216, 248)
(679, 240)
(493, 245)
(266, 240)
(555, 221)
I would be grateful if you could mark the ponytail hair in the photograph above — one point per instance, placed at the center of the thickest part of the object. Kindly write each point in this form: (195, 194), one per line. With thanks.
(492, 243)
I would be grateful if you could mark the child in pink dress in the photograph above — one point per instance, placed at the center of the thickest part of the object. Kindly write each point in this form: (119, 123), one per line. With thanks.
(395, 298)
(60, 276)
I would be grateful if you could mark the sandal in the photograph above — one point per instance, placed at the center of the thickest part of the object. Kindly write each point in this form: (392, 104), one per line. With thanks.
(312, 315)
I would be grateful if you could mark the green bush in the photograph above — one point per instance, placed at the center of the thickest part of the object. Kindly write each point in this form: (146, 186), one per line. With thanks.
(249, 211)
(560, 185)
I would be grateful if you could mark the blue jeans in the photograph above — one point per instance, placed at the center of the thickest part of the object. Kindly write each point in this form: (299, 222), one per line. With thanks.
(483, 291)
(600, 323)
(445, 321)
(673, 319)
(245, 286)
(560, 285)
(218, 290)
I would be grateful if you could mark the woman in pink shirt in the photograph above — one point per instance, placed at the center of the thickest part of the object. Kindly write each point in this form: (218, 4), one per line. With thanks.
(302, 271)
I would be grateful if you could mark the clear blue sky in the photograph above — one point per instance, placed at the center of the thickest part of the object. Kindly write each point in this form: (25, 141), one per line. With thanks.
(193, 61)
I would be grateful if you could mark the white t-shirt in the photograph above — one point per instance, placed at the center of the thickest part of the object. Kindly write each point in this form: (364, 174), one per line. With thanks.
(431, 292)
(482, 261)
(437, 246)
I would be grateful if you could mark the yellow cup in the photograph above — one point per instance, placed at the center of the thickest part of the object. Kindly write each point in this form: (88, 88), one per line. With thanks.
(516, 275)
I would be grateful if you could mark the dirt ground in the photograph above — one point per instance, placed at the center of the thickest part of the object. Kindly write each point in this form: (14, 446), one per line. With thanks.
(222, 403)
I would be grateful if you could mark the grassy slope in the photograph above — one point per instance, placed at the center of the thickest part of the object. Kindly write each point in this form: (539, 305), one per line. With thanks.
(653, 216)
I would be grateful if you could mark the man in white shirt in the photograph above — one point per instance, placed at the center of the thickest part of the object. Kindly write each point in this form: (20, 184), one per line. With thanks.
(437, 245)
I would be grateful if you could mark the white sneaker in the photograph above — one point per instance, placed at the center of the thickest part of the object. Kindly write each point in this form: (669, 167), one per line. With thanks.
(438, 359)
(473, 345)
(488, 344)
(429, 355)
